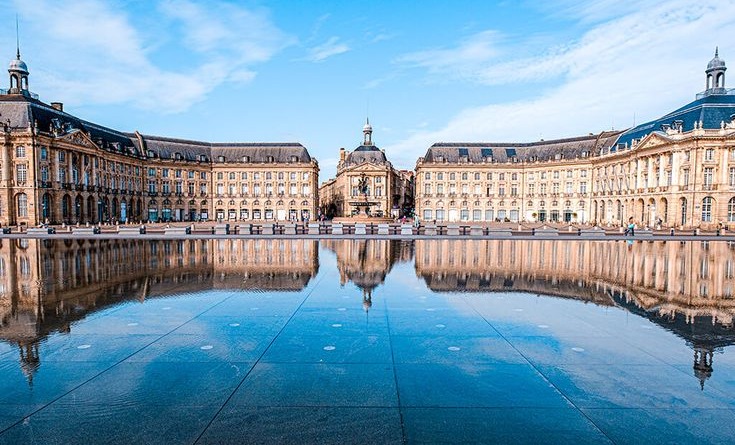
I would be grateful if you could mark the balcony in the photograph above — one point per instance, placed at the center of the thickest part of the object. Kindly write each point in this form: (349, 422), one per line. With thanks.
(79, 187)
(150, 193)
(709, 187)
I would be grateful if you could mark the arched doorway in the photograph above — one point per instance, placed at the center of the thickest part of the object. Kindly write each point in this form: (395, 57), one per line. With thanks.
(683, 207)
(78, 208)
(66, 208)
(90, 208)
(46, 208)
(123, 211)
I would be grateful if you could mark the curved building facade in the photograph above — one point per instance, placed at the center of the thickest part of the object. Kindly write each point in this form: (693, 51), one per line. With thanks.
(57, 168)
(676, 171)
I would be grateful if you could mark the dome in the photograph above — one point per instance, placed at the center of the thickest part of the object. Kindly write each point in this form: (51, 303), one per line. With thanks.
(367, 127)
(716, 63)
(18, 65)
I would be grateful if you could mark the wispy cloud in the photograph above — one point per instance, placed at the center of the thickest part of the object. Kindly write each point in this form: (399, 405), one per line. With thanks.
(463, 60)
(119, 67)
(613, 71)
(331, 47)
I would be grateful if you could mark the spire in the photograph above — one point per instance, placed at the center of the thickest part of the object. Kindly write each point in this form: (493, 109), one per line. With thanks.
(717, 51)
(17, 39)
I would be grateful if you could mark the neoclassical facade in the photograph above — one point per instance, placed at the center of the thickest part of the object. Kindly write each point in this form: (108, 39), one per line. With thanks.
(679, 170)
(367, 181)
(57, 168)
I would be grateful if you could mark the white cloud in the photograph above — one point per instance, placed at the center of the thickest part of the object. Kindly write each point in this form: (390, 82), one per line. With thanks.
(462, 61)
(331, 47)
(90, 52)
(646, 62)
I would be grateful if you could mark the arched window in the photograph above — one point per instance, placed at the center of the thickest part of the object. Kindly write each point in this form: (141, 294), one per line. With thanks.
(707, 209)
(731, 210)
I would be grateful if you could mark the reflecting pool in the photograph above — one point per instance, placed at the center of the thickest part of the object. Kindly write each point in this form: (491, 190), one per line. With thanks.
(366, 341)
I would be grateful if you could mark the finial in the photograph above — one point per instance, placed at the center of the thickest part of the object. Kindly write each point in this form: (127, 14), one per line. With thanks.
(17, 38)
(717, 51)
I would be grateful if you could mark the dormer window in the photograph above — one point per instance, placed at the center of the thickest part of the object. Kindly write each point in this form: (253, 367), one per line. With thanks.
(151, 154)
(202, 158)
(269, 159)
(294, 159)
(246, 159)
(220, 159)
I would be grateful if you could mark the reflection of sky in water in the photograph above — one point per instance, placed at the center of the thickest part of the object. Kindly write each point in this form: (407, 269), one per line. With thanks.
(355, 324)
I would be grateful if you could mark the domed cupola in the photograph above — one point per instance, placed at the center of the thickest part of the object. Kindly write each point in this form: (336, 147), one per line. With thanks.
(367, 131)
(716, 75)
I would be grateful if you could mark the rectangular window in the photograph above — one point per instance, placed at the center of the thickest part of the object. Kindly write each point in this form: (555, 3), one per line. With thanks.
(21, 173)
(62, 156)
(709, 154)
(44, 153)
(582, 187)
(151, 172)
(427, 214)
(476, 215)
(707, 177)
(488, 215)
(464, 214)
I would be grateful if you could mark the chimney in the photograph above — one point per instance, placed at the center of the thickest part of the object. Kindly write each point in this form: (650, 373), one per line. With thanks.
(342, 154)
(57, 106)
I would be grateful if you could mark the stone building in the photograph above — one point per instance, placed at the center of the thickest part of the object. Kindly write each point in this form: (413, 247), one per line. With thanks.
(678, 170)
(366, 182)
(59, 168)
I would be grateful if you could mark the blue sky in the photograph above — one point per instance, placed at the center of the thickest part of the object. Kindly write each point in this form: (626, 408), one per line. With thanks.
(425, 71)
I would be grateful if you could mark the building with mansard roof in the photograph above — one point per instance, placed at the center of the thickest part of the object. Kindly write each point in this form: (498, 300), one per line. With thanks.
(367, 184)
(58, 168)
(676, 171)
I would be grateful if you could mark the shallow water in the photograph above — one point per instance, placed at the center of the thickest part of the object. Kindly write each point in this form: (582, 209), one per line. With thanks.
(354, 341)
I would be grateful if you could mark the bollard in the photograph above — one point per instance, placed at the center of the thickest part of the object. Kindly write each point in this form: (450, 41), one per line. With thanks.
(718, 231)
(579, 232)
(672, 232)
(533, 230)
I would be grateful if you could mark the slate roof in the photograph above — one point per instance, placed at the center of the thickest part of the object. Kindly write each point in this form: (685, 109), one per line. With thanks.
(258, 152)
(21, 111)
(366, 153)
(711, 110)
(479, 152)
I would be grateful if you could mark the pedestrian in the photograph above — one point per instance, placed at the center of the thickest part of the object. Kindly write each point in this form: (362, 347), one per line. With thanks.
(630, 230)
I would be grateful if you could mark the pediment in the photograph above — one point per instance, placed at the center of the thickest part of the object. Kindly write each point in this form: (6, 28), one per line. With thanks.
(653, 140)
(368, 167)
(79, 138)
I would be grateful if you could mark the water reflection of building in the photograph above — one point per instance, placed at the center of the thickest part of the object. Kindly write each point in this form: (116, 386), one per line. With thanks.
(686, 288)
(366, 263)
(47, 285)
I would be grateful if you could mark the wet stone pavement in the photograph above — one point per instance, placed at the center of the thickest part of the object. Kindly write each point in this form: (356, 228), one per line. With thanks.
(366, 342)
